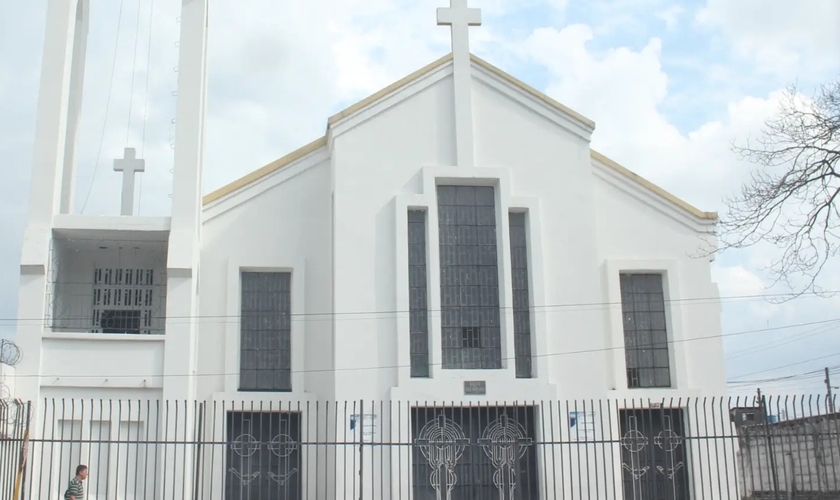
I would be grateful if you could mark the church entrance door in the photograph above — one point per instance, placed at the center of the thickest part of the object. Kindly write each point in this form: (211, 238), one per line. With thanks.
(474, 453)
(653, 456)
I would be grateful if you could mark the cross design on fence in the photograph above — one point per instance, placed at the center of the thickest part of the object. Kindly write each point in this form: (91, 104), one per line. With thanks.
(505, 442)
(634, 442)
(442, 442)
(669, 441)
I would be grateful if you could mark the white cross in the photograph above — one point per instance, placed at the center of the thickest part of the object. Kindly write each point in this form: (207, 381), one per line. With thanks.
(128, 165)
(459, 17)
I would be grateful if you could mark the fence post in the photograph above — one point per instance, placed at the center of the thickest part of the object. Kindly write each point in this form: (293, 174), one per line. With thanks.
(361, 433)
(770, 451)
(20, 478)
(791, 478)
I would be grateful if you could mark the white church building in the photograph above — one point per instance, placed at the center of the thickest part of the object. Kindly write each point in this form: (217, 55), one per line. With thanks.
(450, 265)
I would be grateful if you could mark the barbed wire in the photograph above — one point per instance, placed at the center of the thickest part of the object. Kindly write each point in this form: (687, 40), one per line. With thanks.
(10, 409)
(10, 353)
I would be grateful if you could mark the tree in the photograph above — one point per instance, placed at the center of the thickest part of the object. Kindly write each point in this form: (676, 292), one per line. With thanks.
(792, 200)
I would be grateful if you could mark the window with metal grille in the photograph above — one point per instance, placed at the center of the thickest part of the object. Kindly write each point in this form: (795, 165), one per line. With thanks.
(123, 300)
(645, 333)
(521, 295)
(417, 292)
(469, 277)
(266, 332)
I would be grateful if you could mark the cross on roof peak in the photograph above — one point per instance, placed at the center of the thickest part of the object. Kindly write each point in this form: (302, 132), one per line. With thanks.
(459, 18)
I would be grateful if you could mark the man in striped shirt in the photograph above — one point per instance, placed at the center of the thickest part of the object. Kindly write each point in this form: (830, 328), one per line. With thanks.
(75, 491)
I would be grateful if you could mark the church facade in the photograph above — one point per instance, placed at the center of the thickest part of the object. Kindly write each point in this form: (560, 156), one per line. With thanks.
(451, 257)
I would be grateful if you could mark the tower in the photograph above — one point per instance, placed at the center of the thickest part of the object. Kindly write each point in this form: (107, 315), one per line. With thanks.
(103, 289)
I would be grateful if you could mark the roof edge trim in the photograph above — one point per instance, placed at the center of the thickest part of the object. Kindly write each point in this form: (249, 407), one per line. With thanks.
(265, 171)
(638, 179)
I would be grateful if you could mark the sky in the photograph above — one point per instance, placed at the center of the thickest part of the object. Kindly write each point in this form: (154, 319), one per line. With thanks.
(670, 85)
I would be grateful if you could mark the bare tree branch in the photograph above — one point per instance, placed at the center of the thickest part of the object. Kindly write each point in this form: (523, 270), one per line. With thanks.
(790, 201)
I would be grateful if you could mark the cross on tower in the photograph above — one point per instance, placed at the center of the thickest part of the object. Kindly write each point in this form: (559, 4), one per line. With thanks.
(128, 165)
(459, 17)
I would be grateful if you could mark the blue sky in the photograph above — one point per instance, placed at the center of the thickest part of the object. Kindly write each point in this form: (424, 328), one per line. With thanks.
(669, 84)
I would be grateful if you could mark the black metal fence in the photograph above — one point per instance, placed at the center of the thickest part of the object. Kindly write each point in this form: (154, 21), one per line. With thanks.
(670, 449)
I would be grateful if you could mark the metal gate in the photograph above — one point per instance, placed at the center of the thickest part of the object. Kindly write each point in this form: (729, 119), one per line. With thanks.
(474, 453)
(653, 455)
(263, 458)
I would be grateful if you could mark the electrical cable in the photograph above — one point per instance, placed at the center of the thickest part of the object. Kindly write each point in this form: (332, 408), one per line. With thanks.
(133, 75)
(795, 377)
(808, 334)
(389, 314)
(787, 366)
(394, 367)
(146, 102)
(107, 107)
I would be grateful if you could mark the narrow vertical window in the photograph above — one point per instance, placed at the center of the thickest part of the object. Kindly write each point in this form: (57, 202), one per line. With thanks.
(417, 286)
(645, 334)
(521, 297)
(469, 278)
(266, 332)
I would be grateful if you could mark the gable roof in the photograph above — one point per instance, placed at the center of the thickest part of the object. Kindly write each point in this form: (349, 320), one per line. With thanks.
(354, 108)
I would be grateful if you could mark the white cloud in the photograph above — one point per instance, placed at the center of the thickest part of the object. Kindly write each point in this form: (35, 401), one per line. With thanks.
(671, 16)
(781, 37)
(623, 90)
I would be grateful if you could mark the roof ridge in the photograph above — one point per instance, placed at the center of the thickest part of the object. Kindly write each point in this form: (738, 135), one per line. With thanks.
(376, 96)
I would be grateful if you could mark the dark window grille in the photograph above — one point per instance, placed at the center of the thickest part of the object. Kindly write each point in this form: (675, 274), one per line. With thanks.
(645, 333)
(123, 300)
(521, 295)
(119, 321)
(266, 332)
(417, 293)
(469, 276)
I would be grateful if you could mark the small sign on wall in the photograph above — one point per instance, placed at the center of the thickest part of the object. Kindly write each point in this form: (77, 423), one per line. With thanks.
(366, 423)
(475, 388)
(582, 425)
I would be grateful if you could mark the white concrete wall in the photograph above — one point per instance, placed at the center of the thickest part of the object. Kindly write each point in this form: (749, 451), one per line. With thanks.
(98, 428)
(372, 163)
(285, 227)
(638, 231)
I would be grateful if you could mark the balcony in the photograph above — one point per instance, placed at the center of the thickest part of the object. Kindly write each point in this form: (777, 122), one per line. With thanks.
(101, 283)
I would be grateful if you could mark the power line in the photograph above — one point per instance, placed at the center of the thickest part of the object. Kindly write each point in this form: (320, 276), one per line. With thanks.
(133, 75)
(593, 306)
(107, 107)
(146, 102)
(772, 345)
(785, 378)
(788, 365)
(395, 367)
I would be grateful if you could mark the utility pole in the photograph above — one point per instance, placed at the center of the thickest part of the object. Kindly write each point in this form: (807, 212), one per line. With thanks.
(829, 394)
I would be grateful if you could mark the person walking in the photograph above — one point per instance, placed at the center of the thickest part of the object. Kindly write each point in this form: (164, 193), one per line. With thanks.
(75, 490)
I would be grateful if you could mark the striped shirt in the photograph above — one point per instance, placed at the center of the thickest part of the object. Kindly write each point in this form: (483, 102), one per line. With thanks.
(75, 490)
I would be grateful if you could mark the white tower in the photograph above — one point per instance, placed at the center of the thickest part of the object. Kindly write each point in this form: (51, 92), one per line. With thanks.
(77, 270)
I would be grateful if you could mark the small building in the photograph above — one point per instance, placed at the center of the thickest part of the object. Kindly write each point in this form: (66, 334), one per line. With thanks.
(746, 415)
(798, 457)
